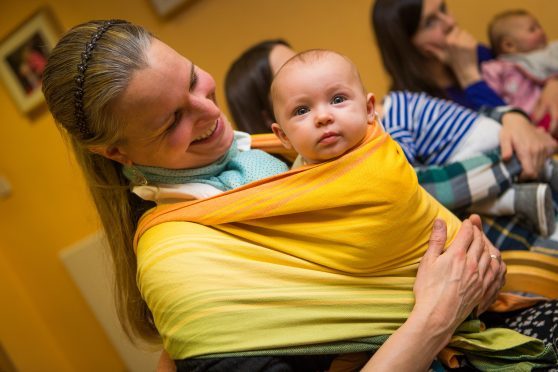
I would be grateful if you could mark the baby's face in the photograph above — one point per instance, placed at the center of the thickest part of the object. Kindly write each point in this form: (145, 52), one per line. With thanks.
(321, 108)
(526, 35)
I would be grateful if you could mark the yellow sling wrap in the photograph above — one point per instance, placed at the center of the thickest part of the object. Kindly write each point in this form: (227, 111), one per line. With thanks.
(312, 260)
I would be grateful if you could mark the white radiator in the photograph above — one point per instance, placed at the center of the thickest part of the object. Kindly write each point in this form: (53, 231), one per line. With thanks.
(89, 265)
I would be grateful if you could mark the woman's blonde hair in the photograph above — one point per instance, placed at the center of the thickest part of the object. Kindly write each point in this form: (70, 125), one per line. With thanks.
(113, 57)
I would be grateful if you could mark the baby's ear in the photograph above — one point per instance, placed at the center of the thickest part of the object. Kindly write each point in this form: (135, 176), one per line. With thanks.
(507, 45)
(370, 107)
(276, 128)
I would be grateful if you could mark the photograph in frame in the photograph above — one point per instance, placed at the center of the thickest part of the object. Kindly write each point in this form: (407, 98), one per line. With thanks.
(23, 56)
(166, 8)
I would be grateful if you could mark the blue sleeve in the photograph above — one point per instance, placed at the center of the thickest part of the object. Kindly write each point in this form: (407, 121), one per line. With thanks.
(480, 94)
(397, 122)
(484, 53)
(405, 139)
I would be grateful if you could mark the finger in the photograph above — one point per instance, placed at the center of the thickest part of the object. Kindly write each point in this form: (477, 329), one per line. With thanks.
(438, 238)
(538, 111)
(554, 120)
(463, 239)
(476, 221)
(502, 274)
(506, 146)
(552, 145)
(476, 248)
(440, 54)
(495, 255)
(528, 167)
(489, 298)
(485, 263)
(494, 288)
(553, 126)
(493, 282)
(452, 35)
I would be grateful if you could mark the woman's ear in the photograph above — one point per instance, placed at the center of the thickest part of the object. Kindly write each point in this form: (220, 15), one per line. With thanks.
(370, 107)
(112, 153)
(279, 133)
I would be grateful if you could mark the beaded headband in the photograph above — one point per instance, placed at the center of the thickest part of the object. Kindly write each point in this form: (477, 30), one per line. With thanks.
(81, 120)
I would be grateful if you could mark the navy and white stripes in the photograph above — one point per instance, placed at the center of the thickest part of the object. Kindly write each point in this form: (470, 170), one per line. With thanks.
(428, 129)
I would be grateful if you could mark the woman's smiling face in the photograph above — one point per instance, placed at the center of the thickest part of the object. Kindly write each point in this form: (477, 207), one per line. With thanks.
(170, 115)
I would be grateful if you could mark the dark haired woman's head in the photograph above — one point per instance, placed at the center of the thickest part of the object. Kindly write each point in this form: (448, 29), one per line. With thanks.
(247, 88)
(403, 32)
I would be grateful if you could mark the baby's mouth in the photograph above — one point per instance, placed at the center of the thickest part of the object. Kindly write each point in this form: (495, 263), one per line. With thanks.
(328, 135)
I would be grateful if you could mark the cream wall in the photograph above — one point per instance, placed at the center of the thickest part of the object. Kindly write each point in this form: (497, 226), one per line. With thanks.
(44, 322)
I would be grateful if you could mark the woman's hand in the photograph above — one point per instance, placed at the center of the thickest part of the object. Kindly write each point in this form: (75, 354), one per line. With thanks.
(451, 284)
(460, 55)
(463, 58)
(548, 104)
(531, 145)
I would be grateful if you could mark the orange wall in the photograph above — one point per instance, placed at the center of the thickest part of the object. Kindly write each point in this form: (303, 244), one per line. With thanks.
(46, 325)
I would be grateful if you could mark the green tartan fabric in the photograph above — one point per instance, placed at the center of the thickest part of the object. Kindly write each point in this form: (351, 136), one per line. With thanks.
(453, 184)
(456, 186)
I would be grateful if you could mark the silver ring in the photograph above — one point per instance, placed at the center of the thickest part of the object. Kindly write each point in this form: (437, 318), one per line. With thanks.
(494, 256)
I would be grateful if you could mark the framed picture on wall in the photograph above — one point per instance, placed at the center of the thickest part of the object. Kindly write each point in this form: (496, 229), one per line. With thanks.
(165, 8)
(23, 56)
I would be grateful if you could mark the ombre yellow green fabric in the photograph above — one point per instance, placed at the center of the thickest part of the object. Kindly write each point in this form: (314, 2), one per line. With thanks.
(321, 259)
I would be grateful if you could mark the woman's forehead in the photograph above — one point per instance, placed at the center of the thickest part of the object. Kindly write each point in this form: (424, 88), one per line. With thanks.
(154, 91)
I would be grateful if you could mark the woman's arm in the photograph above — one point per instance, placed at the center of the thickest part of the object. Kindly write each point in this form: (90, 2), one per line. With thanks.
(463, 54)
(462, 57)
(477, 91)
(441, 305)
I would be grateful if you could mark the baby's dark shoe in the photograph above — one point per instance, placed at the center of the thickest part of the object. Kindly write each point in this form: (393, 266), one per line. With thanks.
(534, 208)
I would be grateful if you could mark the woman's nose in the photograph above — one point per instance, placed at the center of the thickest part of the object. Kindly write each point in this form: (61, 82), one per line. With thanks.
(447, 21)
(203, 106)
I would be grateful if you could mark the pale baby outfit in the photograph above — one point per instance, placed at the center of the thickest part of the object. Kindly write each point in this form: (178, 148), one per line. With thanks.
(520, 77)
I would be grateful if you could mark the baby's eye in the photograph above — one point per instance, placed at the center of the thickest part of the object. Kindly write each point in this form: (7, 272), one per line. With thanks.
(301, 111)
(338, 99)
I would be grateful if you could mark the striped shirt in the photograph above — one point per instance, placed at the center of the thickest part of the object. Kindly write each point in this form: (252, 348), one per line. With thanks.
(428, 129)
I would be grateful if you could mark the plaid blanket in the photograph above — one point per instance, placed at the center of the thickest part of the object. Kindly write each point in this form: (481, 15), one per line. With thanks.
(454, 185)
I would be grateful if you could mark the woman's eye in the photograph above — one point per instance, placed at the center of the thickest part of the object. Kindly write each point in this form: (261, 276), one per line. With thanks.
(193, 80)
(301, 111)
(429, 22)
(175, 121)
(338, 99)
